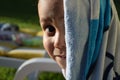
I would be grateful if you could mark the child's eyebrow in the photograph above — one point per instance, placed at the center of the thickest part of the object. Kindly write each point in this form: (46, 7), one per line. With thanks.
(45, 20)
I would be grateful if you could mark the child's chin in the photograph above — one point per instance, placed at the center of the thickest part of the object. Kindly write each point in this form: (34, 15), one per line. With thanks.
(62, 65)
(61, 62)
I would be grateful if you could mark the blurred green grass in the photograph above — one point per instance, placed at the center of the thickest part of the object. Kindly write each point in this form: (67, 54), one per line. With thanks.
(8, 74)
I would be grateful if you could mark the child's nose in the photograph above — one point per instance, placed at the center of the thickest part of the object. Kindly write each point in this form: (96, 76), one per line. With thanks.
(59, 41)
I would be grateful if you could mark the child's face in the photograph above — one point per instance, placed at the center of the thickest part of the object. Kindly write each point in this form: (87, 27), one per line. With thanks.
(51, 15)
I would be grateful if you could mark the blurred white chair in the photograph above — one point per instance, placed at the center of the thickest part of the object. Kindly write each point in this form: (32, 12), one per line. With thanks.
(10, 62)
(33, 66)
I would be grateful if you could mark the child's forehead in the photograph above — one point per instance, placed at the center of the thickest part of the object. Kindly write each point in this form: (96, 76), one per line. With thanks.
(51, 5)
(51, 2)
(50, 9)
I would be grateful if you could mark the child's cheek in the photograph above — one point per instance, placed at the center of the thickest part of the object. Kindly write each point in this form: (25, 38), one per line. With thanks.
(48, 46)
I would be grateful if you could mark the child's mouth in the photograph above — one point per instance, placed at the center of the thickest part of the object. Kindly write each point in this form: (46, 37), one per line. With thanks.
(58, 53)
(62, 57)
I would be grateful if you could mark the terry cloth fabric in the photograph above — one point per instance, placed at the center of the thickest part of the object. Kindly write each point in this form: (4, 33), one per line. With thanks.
(92, 39)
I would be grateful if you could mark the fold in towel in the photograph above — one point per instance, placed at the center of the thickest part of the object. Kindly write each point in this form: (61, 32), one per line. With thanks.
(92, 40)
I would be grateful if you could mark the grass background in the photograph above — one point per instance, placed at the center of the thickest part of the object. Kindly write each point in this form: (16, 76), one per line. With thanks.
(24, 14)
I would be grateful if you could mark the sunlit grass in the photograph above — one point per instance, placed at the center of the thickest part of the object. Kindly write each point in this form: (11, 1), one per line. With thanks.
(7, 73)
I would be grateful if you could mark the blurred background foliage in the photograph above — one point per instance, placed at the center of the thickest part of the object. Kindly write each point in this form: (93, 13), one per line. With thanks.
(21, 12)
(117, 3)
(18, 6)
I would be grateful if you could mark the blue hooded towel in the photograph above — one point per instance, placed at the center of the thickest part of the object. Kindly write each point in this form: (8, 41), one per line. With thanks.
(92, 39)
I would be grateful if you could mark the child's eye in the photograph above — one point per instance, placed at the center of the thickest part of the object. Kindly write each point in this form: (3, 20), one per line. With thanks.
(50, 30)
